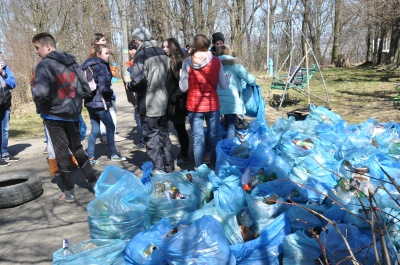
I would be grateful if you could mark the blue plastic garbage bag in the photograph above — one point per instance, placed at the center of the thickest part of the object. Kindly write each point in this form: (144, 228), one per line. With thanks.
(265, 157)
(229, 195)
(147, 167)
(380, 163)
(139, 250)
(323, 115)
(372, 127)
(201, 181)
(329, 133)
(227, 220)
(304, 126)
(253, 101)
(301, 248)
(295, 146)
(202, 242)
(120, 209)
(93, 251)
(165, 206)
(263, 213)
(266, 249)
(282, 125)
(259, 132)
(225, 158)
(82, 128)
(355, 148)
(193, 185)
(284, 188)
(300, 218)
(360, 242)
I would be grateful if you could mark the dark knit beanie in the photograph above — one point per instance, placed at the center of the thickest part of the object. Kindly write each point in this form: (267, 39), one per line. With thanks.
(218, 36)
(132, 45)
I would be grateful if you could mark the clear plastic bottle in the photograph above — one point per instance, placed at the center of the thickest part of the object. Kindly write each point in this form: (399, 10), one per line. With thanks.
(66, 250)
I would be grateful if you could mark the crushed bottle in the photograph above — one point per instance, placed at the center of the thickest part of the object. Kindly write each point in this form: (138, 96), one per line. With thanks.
(66, 250)
(149, 250)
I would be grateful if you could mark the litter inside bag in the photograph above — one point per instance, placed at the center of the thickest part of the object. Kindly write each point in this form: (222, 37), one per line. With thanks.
(121, 209)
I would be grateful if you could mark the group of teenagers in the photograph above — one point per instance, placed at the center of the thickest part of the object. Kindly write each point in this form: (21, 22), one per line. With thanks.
(169, 83)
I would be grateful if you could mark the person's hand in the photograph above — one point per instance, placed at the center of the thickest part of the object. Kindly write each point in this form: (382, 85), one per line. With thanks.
(2, 72)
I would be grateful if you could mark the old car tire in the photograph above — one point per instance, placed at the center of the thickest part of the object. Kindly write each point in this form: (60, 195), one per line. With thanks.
(18, 189)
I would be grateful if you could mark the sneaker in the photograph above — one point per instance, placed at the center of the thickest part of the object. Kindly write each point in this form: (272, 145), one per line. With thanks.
(206, 159)
(93, 161)
(4, 163)
(117, 158)
(118, 138)
(11, 158)
(182, 160)
(92, 185)
(45, 151)
(67, 196)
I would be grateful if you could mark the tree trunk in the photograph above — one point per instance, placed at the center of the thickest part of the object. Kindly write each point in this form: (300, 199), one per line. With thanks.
(336, 31)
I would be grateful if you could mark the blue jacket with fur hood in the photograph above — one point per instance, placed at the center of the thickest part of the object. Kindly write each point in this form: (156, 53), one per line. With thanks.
(231, 99)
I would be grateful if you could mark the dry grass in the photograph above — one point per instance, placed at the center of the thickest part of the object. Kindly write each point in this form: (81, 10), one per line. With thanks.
(26, 123)
(356, 94)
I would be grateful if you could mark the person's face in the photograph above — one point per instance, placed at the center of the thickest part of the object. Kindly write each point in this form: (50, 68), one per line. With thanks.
(165, 47)
(105, 54)
(101, 41)
(132, 53)
(42, 50)
(219, 43)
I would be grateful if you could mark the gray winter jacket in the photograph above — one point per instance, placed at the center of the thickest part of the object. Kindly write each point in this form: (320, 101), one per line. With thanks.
(149, 78)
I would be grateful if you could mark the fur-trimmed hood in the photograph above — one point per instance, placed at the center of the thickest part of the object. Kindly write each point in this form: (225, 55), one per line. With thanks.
(228, 60)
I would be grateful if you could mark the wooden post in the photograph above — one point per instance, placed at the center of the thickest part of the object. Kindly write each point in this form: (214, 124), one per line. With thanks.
(308, 81)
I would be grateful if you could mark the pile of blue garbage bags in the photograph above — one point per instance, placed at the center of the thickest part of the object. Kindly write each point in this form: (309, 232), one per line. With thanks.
(315, 191)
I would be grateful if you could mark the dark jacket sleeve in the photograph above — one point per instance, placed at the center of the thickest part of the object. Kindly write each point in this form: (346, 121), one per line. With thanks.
(41, 85)
(138, 75)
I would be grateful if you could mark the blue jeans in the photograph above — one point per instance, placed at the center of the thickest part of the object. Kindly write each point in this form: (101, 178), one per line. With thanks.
(230, 120)
(196, 120)
(5, 125)
(95, 117)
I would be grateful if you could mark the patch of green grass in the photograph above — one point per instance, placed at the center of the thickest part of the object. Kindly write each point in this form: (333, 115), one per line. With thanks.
(354, 93)
(26, 123)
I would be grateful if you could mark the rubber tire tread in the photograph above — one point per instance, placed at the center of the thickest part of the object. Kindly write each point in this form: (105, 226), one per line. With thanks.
(20, 193)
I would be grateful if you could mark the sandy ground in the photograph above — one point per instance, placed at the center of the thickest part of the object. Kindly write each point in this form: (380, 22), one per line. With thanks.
(31, 232)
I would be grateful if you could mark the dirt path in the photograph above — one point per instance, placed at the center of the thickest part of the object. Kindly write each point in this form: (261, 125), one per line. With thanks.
(31, 232)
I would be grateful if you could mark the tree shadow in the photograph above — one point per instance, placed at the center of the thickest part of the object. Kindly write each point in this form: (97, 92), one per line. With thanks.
(18, 148)
(381, 95)
(13, 133)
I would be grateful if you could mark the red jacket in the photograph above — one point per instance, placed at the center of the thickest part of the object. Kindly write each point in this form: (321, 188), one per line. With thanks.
(202, 92)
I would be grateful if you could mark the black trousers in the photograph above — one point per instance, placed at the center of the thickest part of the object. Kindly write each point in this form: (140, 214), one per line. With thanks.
(66, 135)
(183, 138)
(158, 144)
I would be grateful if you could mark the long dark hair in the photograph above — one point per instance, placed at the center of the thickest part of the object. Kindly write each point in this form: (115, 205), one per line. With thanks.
(176, 55)
(95, 38)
